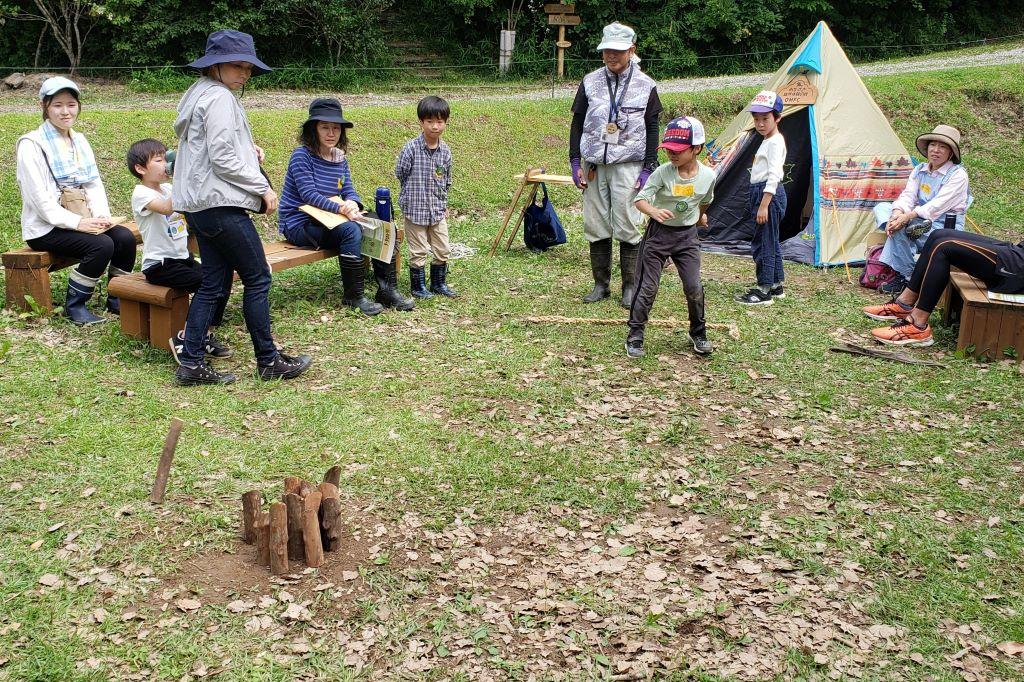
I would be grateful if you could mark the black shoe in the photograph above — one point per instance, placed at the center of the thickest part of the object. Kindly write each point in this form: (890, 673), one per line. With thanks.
(701, 345)
(439, 280)
(201, 374)
(777, 292)
(388, 294)
(418, 283)
(601, 267)
(285, 367)
(754, 297)
(894, 287)
(215, 348)
(635, 349)
(353, 281)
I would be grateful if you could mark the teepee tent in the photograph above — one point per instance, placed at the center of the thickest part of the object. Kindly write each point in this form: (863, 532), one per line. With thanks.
(842, 159)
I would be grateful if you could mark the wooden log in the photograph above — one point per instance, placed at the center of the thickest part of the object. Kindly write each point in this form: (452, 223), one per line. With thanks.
(263, 539)
(305, 488)
(333, 476)
(296, 550)
(163, 469)
(311, 530)
(291, 484)
(278, 538)
(252, 505)
(330, 523)
(328, 490)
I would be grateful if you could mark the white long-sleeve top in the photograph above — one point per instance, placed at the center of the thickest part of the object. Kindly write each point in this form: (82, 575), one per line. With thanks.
(769, 162)
(930, 205)
(40, 197)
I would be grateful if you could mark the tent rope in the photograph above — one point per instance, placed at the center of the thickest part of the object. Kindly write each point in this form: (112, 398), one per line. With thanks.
(975, 225)
(839, 234)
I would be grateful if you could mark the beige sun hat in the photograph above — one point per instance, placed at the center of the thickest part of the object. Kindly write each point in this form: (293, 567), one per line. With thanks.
(942, 133)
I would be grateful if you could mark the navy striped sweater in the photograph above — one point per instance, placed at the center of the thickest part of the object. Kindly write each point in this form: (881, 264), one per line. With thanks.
(311, 180)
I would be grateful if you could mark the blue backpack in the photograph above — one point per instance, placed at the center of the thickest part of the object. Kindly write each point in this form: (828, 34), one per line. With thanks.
(541, 227)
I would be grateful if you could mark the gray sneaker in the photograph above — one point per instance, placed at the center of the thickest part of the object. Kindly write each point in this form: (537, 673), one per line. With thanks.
(701, 345)
(635, 349)
(201, 374)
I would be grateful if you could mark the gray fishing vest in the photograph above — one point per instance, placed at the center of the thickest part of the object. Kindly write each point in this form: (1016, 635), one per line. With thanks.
(630, 117)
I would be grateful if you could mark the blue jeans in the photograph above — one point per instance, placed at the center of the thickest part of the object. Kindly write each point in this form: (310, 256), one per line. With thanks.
(229, 243)
(764, 245)
(346, 239)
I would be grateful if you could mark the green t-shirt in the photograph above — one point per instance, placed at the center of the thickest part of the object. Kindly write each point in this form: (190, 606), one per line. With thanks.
(665, 189)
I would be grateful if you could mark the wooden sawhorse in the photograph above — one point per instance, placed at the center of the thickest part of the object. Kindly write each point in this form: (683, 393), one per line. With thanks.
(532, 178)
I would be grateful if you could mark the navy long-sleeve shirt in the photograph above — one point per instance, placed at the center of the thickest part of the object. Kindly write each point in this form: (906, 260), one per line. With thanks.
(312, 180)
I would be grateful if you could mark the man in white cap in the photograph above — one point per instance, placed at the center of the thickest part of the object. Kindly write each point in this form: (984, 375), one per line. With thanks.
(613, 149)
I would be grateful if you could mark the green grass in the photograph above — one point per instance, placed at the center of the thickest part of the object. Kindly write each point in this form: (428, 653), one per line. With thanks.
(462, 413)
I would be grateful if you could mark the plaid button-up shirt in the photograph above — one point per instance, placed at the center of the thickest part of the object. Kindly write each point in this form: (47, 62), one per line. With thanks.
(425, 175)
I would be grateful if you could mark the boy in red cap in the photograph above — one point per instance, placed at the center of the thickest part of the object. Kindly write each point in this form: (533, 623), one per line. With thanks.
(676, 198)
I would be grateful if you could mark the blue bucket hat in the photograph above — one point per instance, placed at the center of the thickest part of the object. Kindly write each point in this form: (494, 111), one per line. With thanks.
(229, 45)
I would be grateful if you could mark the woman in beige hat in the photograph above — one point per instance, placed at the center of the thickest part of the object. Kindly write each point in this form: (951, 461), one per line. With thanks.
(936, 196)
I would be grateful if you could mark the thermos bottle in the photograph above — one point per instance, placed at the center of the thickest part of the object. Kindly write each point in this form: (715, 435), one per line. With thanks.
(383, 204)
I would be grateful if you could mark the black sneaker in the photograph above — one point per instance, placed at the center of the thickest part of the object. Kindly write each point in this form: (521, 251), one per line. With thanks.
(894, 287)
(777, 292)
(201, 374)
(635, 349)
(701, 345)
(754, 297)
(215, 348)
(285, 367)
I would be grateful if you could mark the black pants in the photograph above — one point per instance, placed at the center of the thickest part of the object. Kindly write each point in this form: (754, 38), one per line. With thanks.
(114, 247)
(660, 243)
(185, 274)
(975, 254)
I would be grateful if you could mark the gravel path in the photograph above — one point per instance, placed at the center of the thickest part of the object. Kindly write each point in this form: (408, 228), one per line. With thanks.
(115, 97)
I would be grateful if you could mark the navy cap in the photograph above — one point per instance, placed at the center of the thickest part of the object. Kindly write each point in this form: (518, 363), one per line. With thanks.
(327, 109)
(229, 45)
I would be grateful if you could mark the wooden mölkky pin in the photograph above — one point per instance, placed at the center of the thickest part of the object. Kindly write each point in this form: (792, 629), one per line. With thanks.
(296, 549)
(330, 517)
(311, 529)
(278, 538)
(333, 476)
(252, 505)
(263, 539)
(163, 469)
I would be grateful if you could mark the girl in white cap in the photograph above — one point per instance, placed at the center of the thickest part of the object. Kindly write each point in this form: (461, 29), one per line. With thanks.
(64, 207)
(613, 149)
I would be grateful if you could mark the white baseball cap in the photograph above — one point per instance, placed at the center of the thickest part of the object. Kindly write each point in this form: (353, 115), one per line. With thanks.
(617, 37)
(52, 86)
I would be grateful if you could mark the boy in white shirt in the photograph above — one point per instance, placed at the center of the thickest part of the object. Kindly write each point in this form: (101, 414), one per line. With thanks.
(767, 200)
(166, 260)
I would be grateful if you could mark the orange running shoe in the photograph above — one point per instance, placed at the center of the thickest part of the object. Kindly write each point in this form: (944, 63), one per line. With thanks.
(904, 333)
(887, 311)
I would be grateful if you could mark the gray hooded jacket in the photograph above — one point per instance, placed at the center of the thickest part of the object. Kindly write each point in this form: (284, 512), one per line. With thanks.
(216, 163)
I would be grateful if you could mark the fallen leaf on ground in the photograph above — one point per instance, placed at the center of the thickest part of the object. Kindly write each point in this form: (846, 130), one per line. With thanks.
(188, 604)
(655, 573)
(1011, 648)
(50, 580)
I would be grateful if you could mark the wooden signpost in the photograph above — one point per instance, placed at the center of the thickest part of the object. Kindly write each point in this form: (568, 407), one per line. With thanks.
(561, 16)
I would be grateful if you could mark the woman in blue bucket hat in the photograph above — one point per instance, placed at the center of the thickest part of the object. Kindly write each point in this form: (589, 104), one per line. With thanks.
(217, 180)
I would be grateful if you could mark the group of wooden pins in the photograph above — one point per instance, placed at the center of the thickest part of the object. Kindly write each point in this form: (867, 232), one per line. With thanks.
(305, 524)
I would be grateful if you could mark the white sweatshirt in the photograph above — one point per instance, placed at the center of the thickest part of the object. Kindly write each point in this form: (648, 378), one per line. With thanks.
(769, 163)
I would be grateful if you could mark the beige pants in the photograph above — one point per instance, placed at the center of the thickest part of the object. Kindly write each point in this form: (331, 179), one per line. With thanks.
(608, 209)
(422, 237)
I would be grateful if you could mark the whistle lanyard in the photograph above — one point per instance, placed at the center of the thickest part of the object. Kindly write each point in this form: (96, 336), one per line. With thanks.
(613, 105)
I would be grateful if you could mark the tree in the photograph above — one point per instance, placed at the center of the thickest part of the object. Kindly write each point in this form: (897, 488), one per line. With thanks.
(69, 21)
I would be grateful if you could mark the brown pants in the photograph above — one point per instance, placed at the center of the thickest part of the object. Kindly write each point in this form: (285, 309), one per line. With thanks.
(423, 237)
(658, 245)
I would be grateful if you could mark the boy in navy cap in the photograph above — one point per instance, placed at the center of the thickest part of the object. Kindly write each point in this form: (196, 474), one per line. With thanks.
(676, 198)
(767, 200)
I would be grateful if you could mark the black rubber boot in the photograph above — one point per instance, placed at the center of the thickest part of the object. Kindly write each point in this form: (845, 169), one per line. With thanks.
(74, 308)
(438, 280)
(388, 294)
(627, 262)
(418, 283)
(601, 265)
(113, 303)
(353, 280)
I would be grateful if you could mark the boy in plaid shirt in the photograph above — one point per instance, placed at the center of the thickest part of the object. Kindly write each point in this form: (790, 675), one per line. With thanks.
(424, 171)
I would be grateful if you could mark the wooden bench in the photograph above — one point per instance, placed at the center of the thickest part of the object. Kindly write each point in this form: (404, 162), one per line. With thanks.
(987, 327)
(27, 273)
(154, 313)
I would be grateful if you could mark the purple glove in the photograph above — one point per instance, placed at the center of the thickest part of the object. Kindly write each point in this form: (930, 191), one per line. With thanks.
(641, 179)
(577, 172)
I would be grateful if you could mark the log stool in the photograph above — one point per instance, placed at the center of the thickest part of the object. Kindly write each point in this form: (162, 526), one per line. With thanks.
(149, 312)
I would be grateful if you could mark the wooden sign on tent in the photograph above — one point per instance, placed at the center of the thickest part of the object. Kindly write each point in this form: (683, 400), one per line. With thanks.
(800, 90)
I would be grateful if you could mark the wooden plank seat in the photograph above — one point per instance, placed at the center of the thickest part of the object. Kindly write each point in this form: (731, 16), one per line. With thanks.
(987, 327)
(27, 273)
(154, 313)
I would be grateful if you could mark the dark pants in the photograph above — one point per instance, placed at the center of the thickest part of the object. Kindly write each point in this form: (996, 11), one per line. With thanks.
(228, 243)
(185, 274)
(660, 243)
(346, 238)
(975, 254)
(114, 247)
(765, 246)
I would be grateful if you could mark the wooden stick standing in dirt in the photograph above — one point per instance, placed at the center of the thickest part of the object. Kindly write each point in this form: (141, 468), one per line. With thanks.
(263, 539)
(291, 484)
(252, 505)
(330, 517)
(305, 488)
(163, 469)
(278, 538)
(296, 549)
(333, 476)
(311, 529)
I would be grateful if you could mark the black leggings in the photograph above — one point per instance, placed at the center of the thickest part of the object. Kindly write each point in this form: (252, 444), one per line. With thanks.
(114, 247)
(975, 254)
